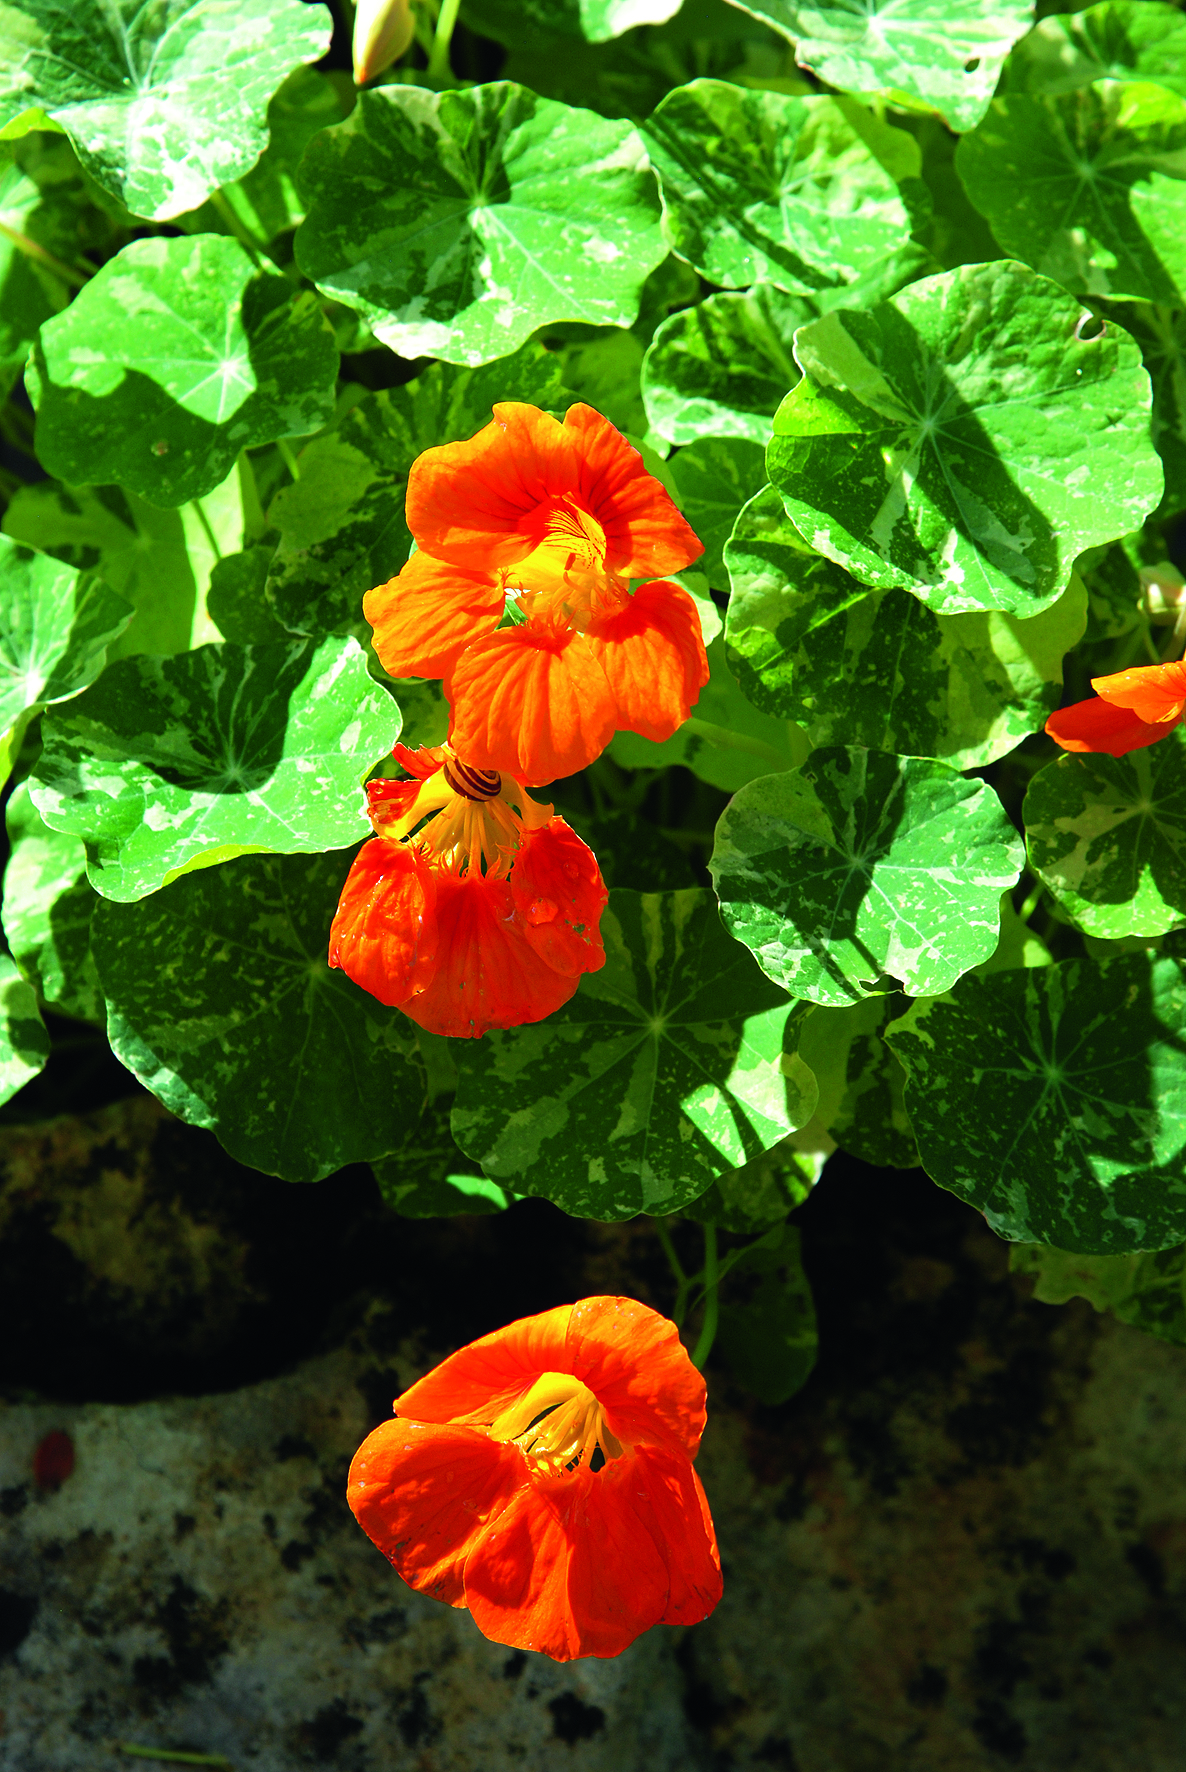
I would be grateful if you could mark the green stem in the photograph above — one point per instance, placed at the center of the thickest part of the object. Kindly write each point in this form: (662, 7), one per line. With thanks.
(238, 227)
(683, 1280)
(1031, 903)
(288, 457)
(727, 740)
(204, 520)
(712, 1300)
(30, 248)
(254, 521)
(438, 61)
(176, 1758)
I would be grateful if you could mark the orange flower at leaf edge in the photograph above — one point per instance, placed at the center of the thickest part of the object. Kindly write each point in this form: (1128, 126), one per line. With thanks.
(1134, 708)
(483, 916)
(542, 1477)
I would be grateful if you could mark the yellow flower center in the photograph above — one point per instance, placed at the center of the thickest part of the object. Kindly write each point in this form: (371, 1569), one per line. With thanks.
(559, 1426)
(469, 818)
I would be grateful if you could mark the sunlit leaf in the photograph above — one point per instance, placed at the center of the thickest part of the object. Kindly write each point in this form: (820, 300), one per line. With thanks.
(860, 1081)
(1053, 1100)
(757, 1196)
(805, 193)
(24, 1043)
(178, 763)
(457, 223)
(964, 442)
(945, 53)
(1108, 837)
(176, 356)
(47, 911)
(715, 477)
(673, 1065)
(810, 644)
(1088, 187)
(163, 103)
(1118, 40)
(341, 525)
(1161, 334)
(721, 369)
(222, 978)
(858, 867)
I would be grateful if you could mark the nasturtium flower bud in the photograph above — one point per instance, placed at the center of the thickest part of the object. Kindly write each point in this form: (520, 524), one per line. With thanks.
(383, 29)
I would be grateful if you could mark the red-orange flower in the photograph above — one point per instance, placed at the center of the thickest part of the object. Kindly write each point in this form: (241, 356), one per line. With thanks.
(1134, 708)
(472, 907)
(559, 518)
(542, 1477)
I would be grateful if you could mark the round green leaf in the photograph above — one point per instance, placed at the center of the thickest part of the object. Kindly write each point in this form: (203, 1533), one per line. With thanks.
(341, 525)
(858, 867)
(1108, 837)
(1147, 1290)
(878, 668)
(177, 355)
(1119, 40)
(55, 627)
(220, 999)
(861, 1106)
(941, 53)
(1053, 1100)
(163, 103)
(533, 22)
(963, 442)
(458, 222)
(1088, 187)
(169, 764)
(720, 369)
(805, 193)
(24, 1043)
(1161, 334)
(47, 911)
(714, 477)
(671, 1066)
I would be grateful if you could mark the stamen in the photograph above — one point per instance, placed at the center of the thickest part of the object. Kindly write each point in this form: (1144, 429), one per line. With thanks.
(559, 1425)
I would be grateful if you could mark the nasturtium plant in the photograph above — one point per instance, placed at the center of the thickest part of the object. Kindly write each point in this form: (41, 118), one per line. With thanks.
(163, 103)
(1107, 835)
(177, 356)
(172, 764)
(224, 975)
(1053, 1099)
(808, 643)
(966, 440)
(46, 911)
(457, 223)
(859, 868)
(805, 193)
(945, 54)
(671, 1066)
(721, 369)
(767, 420)
(1088, 187)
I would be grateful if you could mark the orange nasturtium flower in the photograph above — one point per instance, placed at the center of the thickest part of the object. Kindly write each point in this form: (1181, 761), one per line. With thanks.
(1134, 708)
(542, 1477)
(472, 907)
(559, 518)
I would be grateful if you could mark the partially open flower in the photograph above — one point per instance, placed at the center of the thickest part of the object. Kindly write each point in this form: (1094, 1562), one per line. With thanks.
(1134, 708)
(557, 519)
(472, 907)
(542, 1477)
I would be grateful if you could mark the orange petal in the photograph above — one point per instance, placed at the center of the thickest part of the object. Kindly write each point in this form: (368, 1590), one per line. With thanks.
(652, 653)
(568, 1568)
(644, 532)
(470, 502)
(1102, 726)
(479, 1381)
(1155, 693)
(426, 1494)
(429, 613)
(559, 897)
(384, 933)
(669, 1501)
(634, 1362)
(530, 702)
(488, 975)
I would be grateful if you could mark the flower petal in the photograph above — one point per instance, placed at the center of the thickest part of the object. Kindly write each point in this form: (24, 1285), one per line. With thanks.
(384, 933)
(469, 503)
(531, 702)
(1155, 693)
(1100, 725)
(567, 1569)
(652, 653)
(559, 897)
(645, 534)
(488, 975)
(669, 1500)
(479, 1381)
(425, 616)
(426, 1494)
(634, 1362)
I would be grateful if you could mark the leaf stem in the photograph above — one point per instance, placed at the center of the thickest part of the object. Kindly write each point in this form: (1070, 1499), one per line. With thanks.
(254, 521)
(683, 1280)
(288, 457)
(239, 229)
(712, 1302)
(727, 740)
(438, 61)
(1032, 902)
(31, 249)
(175, 1756)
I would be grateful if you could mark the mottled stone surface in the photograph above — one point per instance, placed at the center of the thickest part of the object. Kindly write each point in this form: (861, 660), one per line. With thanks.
(962, 1546)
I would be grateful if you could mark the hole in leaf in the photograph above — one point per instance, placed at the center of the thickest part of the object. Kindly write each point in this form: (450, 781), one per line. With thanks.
(1090, 327)
(970, 67)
